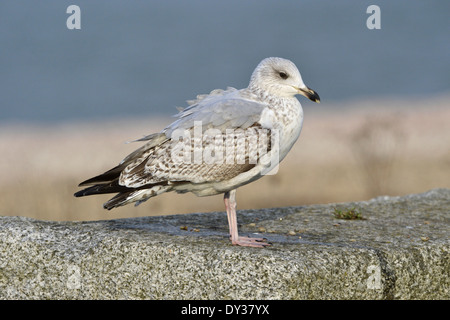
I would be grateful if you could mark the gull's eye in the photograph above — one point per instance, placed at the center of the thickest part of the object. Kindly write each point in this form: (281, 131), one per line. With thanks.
(283, 75)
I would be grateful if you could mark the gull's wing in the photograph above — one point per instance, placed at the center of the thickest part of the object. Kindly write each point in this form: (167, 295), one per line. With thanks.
(219, 110)
(212, 159)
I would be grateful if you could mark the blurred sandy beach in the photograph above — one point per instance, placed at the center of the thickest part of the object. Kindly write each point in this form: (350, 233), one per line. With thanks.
(345, 153)
(382, 127)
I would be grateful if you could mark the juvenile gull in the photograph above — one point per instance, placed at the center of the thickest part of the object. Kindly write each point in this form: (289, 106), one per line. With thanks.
(215, 144)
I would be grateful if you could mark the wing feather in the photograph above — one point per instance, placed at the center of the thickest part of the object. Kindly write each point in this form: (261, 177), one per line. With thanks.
(222, 157)
(222, 110)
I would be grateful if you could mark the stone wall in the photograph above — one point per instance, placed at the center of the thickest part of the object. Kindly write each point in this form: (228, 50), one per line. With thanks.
(398, 250)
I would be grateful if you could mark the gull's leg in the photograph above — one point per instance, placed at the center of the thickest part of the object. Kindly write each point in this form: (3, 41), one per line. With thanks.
(231, 215)
(230, 205)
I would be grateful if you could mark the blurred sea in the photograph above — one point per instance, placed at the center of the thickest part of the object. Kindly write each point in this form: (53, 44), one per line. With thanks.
(144, 58)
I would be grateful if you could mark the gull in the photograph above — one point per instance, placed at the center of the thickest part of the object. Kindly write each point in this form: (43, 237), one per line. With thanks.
(221, 141)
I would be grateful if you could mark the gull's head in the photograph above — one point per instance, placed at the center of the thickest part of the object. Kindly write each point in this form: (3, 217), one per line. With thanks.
(280, 77)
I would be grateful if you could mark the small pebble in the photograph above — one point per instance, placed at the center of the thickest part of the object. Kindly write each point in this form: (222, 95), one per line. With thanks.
(252, 225)
(262, 229)
(291, 233)
(183, 228)
(424, 238)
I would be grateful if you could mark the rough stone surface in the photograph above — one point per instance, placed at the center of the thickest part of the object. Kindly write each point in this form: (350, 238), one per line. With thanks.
(400, 251)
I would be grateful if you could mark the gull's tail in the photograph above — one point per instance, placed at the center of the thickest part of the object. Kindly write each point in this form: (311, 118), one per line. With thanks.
(108, 182)
(124, 195)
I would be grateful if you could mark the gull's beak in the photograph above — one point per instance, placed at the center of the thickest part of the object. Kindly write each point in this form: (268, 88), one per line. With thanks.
(309, 93)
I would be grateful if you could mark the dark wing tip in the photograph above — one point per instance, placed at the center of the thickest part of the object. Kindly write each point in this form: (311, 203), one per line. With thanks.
(106, 177)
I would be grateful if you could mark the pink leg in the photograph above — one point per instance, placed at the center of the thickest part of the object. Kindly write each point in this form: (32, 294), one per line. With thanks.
(230, 205)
